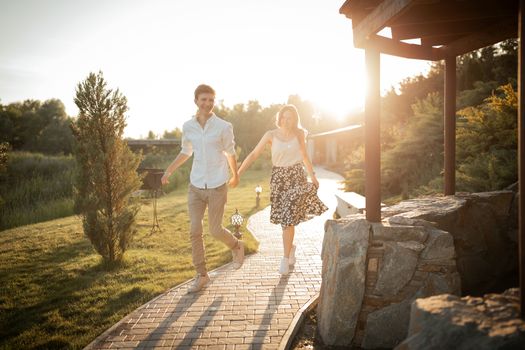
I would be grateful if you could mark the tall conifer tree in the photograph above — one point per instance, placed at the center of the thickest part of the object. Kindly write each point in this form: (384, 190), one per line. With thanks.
(107, 173)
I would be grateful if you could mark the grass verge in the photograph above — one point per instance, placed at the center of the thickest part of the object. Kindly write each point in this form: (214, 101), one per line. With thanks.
(55, 291)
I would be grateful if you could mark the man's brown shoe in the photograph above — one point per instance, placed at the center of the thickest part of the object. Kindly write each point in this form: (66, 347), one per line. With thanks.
(200, 282)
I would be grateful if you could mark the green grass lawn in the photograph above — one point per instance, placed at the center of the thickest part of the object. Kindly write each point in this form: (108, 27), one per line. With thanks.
(55, 291)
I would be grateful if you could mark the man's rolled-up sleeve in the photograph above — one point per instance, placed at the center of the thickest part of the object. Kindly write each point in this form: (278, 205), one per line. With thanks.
(186, 146)
(228, 141)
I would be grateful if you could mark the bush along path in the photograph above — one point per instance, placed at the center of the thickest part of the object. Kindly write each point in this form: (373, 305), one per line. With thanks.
(249, 308)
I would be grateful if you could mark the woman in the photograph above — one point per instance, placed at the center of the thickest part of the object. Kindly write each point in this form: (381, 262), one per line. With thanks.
(293, 199)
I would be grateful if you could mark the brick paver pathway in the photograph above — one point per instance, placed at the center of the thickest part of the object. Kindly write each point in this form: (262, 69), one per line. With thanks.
(249, 308)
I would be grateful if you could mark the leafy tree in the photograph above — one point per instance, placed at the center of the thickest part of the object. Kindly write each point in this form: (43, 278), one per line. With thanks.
(471, 69)
(36, 127)
(355, 173)
(505, 67)
(396, 105)
(20, 123)
(151, 135)
(107, 168)
(173, 134)
(417, 157)
(476, 95)
(411, 127)
(7, 125)
(250, 122)
(4, 150)
(487, 142)
(493, 63)
(56, 136)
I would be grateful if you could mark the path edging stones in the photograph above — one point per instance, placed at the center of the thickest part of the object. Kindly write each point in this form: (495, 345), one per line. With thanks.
(297, 322)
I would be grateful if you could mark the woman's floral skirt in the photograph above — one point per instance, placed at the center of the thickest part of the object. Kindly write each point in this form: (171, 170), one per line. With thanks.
(293, 199)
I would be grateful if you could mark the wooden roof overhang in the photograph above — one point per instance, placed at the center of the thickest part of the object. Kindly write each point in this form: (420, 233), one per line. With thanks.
(445, 27)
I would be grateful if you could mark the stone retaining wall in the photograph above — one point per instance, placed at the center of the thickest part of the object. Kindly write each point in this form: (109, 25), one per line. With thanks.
(372, 272)
(484, 230)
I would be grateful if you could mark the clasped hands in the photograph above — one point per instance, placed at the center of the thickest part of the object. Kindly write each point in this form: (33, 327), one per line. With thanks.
(234, 180)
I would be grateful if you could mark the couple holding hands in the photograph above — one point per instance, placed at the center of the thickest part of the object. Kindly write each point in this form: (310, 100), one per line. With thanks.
(211, 142)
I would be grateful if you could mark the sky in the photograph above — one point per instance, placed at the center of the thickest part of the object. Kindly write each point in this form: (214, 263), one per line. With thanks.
(156, 52)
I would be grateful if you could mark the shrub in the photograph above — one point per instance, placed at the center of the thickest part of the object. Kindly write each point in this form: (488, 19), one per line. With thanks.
(36, 188)
(107, 169)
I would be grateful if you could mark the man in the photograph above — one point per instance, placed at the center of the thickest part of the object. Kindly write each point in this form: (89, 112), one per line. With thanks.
(210, 139)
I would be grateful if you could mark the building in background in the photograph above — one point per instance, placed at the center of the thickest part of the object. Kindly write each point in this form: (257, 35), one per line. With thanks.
(330, 148)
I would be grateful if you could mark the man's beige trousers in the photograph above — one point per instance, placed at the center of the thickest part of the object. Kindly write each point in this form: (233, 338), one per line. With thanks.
(215, 200)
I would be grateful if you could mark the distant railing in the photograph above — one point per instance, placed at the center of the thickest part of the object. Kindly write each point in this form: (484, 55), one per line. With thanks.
(136, 145)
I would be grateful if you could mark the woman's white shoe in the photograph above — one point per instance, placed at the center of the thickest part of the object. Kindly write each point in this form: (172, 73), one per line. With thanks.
(291, 259)
(284, 269)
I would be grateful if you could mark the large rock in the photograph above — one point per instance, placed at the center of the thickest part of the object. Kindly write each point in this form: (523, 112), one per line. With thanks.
(417, 261)
(400, 232)
(440, 210)
(483, 228)
(345, 247)
(399, 265)
(439, 246)
(449, 322)
(385, 327)
(371, 274)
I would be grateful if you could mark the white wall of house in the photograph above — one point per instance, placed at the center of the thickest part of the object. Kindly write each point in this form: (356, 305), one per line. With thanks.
(331, 150)
(310, 149)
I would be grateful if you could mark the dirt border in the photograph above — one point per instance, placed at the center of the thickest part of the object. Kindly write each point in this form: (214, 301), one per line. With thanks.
(297, 322)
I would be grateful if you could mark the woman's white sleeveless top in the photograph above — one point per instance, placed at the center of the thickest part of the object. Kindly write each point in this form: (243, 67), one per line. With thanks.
(286, 153)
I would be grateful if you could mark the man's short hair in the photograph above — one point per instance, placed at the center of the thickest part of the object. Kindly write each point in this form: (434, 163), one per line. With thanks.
(204, 89)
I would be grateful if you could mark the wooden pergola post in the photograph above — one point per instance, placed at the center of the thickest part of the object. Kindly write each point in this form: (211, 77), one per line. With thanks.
(450, 125)
(521, 154)
(372, 137)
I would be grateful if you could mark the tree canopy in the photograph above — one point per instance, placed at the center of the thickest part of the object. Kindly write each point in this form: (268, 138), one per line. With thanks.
(36, 126)
(412, 127)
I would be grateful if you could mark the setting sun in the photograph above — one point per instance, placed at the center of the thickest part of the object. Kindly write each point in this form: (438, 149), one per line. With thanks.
(157, 52)
(243, 174)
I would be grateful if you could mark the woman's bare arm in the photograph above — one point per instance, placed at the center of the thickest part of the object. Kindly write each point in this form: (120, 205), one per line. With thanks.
(306, 159)
(267, 138)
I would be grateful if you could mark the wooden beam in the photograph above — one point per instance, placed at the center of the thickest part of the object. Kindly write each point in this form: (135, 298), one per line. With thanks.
(521, 155)
(439, 40)
(350, 7)
(346, 9)
(385, 12)
(450, 126)
(401, 49)
(421, 30)
(357, 17)
(488, 36)
(444, 11)
(372, 137)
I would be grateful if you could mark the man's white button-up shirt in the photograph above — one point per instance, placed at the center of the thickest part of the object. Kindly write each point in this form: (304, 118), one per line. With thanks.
(209, 146)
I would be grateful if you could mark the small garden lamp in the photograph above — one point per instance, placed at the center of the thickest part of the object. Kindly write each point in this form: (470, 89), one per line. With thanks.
(237, 220)
(258, 191)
